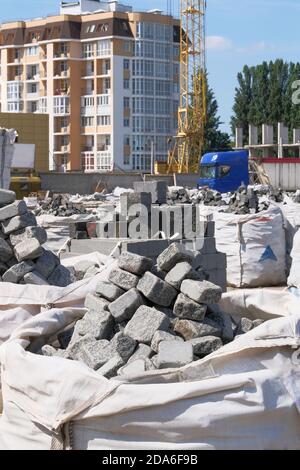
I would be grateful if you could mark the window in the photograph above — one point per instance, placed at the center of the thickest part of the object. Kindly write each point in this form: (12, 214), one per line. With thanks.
(61, 105)
(103, 27)
(126, 102)
(103, 47)
(208, 171)
(103, 100)
(87, 121)
(176, 52)
(126, 122)
(14, 91)
(87, 101)
(127, 46)
(65, 140)
(162, 51)
(91, 28)
(145, 30)
(127, 140)
(224, 171)
(176, 87)
(32, 51)
(33, 88)
(43, 105)
(88, 50)
(14, 107)
(163, 70)
(103, 120)
(126, 160)
(126, 64)
(126, 84)
(163, 107)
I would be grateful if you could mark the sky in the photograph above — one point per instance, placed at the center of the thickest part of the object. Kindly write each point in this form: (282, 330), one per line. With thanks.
(239, 32)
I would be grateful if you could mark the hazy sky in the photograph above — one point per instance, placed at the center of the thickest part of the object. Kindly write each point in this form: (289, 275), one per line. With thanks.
(239, 32)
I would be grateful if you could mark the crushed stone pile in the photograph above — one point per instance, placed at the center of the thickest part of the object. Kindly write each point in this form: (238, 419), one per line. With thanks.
(23, 260)
(59, 205)
(146, 317)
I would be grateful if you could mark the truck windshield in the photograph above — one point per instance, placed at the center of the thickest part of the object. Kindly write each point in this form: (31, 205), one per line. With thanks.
(208, 171)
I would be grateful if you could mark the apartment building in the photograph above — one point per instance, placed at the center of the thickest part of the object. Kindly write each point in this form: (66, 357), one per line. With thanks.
(107, 76)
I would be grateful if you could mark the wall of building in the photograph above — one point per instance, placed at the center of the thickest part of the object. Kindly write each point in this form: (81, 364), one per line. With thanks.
(32, 129)
(285, 175)
(77, 183)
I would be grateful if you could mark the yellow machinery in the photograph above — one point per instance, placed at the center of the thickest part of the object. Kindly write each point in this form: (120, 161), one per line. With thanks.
(24, 184)
(186, 153)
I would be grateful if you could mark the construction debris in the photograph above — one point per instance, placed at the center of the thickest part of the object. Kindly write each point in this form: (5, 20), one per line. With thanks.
(59, 205)
(137, 322)
(23, 260)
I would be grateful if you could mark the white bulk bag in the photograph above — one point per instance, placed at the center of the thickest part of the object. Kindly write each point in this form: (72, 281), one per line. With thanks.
(255, 247)
(294, 278)
(244, 396)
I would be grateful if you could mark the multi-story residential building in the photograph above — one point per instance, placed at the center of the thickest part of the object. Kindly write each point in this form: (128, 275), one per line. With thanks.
(109, 80)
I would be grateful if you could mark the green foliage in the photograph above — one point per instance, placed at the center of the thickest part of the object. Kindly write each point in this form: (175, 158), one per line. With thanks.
(264, 95)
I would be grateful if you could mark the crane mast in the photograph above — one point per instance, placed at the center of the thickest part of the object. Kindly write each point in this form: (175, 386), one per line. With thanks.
(186, 153)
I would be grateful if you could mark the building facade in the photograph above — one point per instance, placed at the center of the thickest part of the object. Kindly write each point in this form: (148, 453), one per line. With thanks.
(108, 79)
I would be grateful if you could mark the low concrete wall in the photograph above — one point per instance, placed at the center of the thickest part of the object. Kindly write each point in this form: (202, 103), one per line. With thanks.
(86, 183)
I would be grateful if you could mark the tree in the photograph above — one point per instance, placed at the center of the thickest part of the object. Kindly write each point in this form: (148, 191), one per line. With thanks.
(242, 101)
(214, 138)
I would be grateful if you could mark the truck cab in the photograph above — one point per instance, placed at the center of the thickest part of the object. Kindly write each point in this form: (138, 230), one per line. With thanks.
(224, 171)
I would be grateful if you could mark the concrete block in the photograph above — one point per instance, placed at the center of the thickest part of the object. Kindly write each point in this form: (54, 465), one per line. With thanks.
(136, 367)
(98, 324)
(108, 291)
(143, 352)
(189, 329)
(179, 273)
(203, 292)
(125, 306)
(123, 279)
(148, 248)
(202, 245)
(111, 368)
(35, 278)
(128, 200)
(218, 277)
(210, 228)
(6, 197)
(173, 354)
(12, 210)
(47, 263)
(188, 309)
(18, 222)
(160, 336)
(95, 304)
(29, 249)
(17, 272)
(61, 277)
(206, 345)
(6, 251)
(123, 345)
(157, 189)
(145, 322)
(135, 264)
(174, 254)
(156, 290)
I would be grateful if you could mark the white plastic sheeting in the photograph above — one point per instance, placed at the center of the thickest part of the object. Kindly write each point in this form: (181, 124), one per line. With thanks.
(244, 396)
(294, 278)
(255, 246)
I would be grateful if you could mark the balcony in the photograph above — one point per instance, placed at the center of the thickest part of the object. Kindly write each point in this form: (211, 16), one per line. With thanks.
(62, 149)
(33, 78)
(62, 74)
(102, 161)
(87, 111)
(33, 96)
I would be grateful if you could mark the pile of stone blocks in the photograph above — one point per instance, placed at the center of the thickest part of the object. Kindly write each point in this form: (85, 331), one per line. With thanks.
(146, 317)
(23, 260)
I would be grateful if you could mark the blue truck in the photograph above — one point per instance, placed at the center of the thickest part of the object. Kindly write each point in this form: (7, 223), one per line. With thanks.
(224, 171)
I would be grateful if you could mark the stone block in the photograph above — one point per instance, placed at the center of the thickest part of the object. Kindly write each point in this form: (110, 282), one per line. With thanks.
(64, 338)
(174, 254)
(189, 329)
(206, 345)
(28, 250)
(133, 368)
(110, 369)
(143, 352)
(173, 354)
(82, 267)
(145, 322)
(35, 278)
(125, 306)
(74, 350)
(91, 272)
(157, 189)
(47, 263)
(224, 321)
(123, 345)
(203, 245)
(6, 251)
(95, 353)
(203, 292)
(257, 323)
(128, 200)
(3, 269)
(18, 222)
(12, 210)
(95, 304)
(37, 232)
(134, 264)
(244, 326)
(6, 197)
(123, 279)
(49, 351)
(60, 277)
(189, 309)
(179, 273)
(160, 336)
(156, 290)
(98, 324)
(108, 291)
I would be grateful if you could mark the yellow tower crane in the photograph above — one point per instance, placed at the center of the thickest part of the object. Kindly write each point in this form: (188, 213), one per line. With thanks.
(186, 152)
